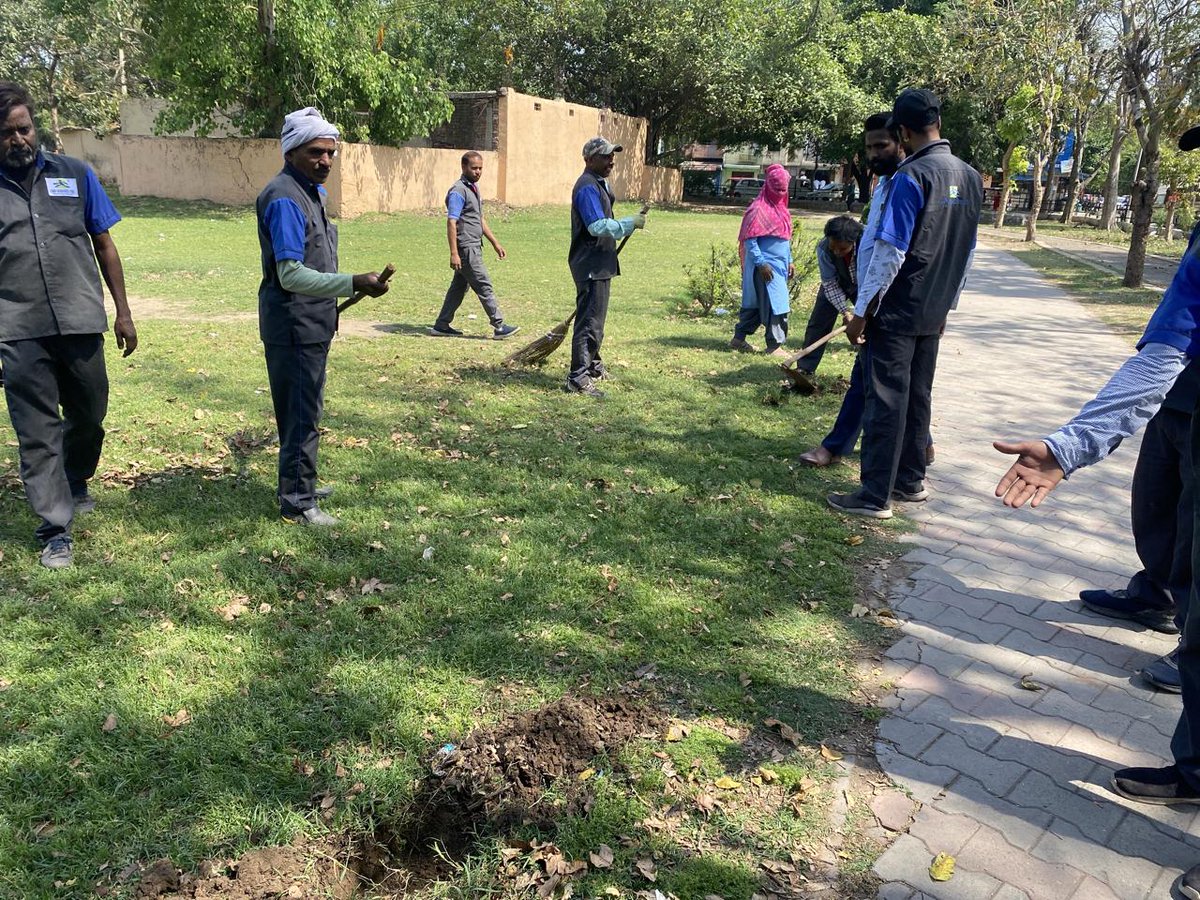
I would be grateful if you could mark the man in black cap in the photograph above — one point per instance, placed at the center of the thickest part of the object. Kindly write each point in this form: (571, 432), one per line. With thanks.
(923, 248)
(1166, 353)
(593, 262)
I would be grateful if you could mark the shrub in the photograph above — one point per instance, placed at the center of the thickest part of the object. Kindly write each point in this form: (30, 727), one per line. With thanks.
(717, 282)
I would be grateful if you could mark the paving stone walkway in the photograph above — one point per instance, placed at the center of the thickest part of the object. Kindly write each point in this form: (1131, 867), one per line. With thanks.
(1111, 257)
(1013, 782)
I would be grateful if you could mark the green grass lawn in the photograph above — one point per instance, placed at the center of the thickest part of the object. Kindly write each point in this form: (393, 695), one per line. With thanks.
(572, 543)
(1155, 245)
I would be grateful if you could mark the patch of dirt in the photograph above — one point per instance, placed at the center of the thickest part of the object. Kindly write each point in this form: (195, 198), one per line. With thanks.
(495, 780)
(302, 871)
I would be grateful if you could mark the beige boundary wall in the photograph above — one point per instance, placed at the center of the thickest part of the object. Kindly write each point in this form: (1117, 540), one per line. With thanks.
(536, 162)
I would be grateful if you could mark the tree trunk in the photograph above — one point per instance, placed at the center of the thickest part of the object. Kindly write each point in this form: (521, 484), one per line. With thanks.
(862, 178)
(1143, 192)
(52, 102)
(1005, 185)
(1108, 215)
(1169, 221)
(1051, 180)
(1039, 163)
(1073, 185)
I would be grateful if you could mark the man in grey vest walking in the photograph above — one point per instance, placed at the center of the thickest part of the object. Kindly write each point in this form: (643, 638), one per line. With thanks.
(54, 232)
(593, 262)
(465, 230)
(297, 310)
(922, 251)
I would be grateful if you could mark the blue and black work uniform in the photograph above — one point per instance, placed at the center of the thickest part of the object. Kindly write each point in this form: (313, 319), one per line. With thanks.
(593, 262)
(52, 324)
(296, 328)
(465, 207)
(927, 231)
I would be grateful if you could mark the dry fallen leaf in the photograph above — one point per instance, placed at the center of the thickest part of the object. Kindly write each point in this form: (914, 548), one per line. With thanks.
(110, 723)
(609, 891)
(857, 611)
(647, 869)
(744, 679)
(705, 803)
(942, 867)
(854, 540)
(5, 684)
(768, 775)
(178, 720)
(830, 755)
(1028, 684)
(586, 774)
(602, 858)
(726, 783)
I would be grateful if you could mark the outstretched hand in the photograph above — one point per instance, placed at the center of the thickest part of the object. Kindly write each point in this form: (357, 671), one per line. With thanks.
(1034, 475)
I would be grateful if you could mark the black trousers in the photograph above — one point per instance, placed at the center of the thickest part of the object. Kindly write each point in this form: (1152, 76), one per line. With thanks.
(1185, 745)
(591, 309)
(899, 371)
(822, 320)
(297, 376)
(59, 453)
(1162, 500)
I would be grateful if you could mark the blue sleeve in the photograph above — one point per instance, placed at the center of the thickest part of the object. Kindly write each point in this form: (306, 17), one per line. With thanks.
(587, 201)
(285, 223)
(825, 261)
(1176, 321)
(99, 214)
(454, 205)
(899, 218)
(754, 253)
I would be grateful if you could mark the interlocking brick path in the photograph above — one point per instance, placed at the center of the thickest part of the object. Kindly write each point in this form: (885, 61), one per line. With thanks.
(1013, 782)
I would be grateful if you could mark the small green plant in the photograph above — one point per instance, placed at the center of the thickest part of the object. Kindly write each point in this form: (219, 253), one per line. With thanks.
(715, 283)
(804, 258)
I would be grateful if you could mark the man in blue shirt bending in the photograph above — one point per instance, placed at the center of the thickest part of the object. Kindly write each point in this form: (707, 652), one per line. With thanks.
(593, 262)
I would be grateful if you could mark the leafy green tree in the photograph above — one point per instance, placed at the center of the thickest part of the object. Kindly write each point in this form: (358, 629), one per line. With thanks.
(1181, 173)
(254, 62)
(1015, 129)
(77, 58)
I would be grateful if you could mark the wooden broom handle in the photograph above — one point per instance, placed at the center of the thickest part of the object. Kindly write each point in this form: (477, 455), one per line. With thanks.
(388, 271)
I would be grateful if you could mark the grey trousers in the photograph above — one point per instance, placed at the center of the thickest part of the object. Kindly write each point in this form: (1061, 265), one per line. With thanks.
(297, 376)
(473, 275)
(59, 453)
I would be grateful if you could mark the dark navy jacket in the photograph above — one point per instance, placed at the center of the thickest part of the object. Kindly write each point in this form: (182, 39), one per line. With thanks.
(49, 282)
(932, 215)
(285, 318)
(591, 258)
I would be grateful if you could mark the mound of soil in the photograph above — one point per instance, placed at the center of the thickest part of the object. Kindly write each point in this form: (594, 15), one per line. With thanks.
(501, 774)
(303, 871)
(496, 779)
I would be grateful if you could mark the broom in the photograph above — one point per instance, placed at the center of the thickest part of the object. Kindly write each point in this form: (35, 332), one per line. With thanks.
(539, 351)
(388, 271)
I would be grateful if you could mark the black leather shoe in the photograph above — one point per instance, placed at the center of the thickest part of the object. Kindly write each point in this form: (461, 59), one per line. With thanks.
(1163, 673)
(1189, 883)
(1119, 605)
(1162, 787)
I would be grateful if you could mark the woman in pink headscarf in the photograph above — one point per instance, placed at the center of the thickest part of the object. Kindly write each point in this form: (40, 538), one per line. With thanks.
(765, 247)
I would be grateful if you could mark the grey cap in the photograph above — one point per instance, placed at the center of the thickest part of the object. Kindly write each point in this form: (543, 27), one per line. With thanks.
(599, 146)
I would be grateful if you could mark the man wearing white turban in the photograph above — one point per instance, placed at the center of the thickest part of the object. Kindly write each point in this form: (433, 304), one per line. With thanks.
(297, 306)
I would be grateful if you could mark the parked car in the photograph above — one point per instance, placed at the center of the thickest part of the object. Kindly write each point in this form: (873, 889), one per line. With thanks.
(744, 187)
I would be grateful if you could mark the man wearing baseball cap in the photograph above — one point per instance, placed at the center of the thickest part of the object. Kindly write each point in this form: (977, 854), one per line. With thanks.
(922, 250)
(593, 262)
(1168, 351)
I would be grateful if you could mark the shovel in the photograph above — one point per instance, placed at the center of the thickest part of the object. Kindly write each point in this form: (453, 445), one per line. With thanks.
(801, 381)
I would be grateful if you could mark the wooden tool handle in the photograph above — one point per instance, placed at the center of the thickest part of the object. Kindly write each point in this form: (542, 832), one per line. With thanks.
(625, 240)
(388, 271)
(819, 342)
